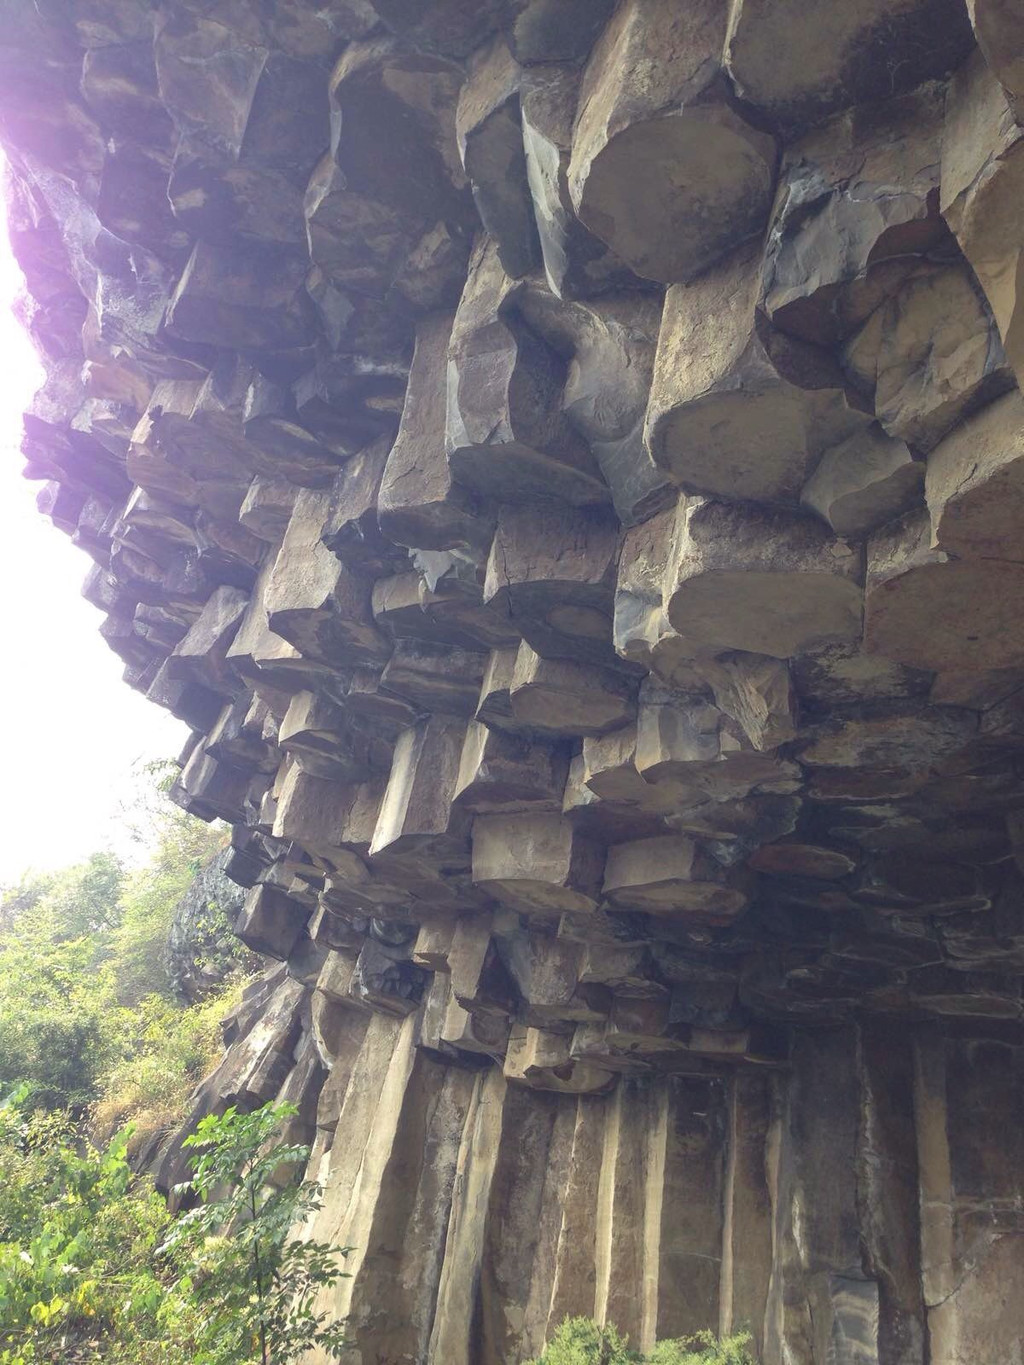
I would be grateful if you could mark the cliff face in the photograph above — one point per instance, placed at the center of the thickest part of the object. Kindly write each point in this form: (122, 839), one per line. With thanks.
(564, 461)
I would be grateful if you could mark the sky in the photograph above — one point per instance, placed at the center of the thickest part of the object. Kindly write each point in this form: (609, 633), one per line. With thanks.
(74, 735)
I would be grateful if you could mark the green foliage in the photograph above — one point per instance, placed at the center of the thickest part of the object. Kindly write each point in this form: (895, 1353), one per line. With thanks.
(254, 1283)
(77, 1244)
(99, 1047)
(53, 1029)
(580, 1341)
(171, 1050)
(703, 1349)
(93, 1268)
(83, 971)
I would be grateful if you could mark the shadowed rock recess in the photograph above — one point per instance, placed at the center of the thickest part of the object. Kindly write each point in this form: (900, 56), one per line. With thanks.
(564, 462)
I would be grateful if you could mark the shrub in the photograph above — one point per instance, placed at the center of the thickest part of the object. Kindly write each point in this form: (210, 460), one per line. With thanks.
(703, 1349)
(580, 1341)
(172, 1050)
(78, 1240)
(92, 1267)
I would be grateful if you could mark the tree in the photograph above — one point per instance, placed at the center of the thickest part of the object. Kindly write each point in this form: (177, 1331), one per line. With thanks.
(84, 980)
(255, 1282)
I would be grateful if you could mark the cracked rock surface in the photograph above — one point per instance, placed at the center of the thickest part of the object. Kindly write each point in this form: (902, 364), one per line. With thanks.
(565, 464)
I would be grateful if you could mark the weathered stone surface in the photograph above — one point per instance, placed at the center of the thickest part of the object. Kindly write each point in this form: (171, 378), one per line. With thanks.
(416, 808)
(645, 930)
(503, 772)
(856, 212)
(312, 600)
(418, 503)
(249, 298)
(734, 412)
(536, 864)
(367, 212)
(552, 573)
(559, 697)
(865, 481)
(846, 54)
(556, 30)
(664, 168)
(491, 145)
(507, 436)
(973, 484)
(926, 610)
(997, 29)
(576, 262)
(668, 876)
(928, 356)
(610, 346)
(764, 582)
(982, 168)
(269, 922)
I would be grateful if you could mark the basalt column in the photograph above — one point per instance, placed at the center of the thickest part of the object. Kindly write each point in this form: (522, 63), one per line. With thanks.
(564, 463)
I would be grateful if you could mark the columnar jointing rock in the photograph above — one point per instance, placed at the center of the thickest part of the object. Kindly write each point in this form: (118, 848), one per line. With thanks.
(564, 462)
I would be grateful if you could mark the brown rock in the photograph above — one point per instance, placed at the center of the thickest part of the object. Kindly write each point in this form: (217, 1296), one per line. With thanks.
(733, 412)
(759, 581)
(270, 922)
(864, 481)
(973, 486)
(416, 810)
(501, 772)
(857, 209)
(450, 26)
(540, 1059)
(848, 54)
(507, 436)
(789, 858)
(312, 600)
(352, 530)
(997, 27)
(418, 503)
(664, 169)
(559, 697)
(669, 876)
(576, 262)
(282, 445)
(555, 31)
(249, 297)
(552, 572)
(610, 346)
(982, 173)
(755, 692)
(536, 864)
(929, 355)
(392, 173)
(491, 146)
(926, 610)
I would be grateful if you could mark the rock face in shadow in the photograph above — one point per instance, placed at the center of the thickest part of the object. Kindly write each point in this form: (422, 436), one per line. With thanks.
(564, 463)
